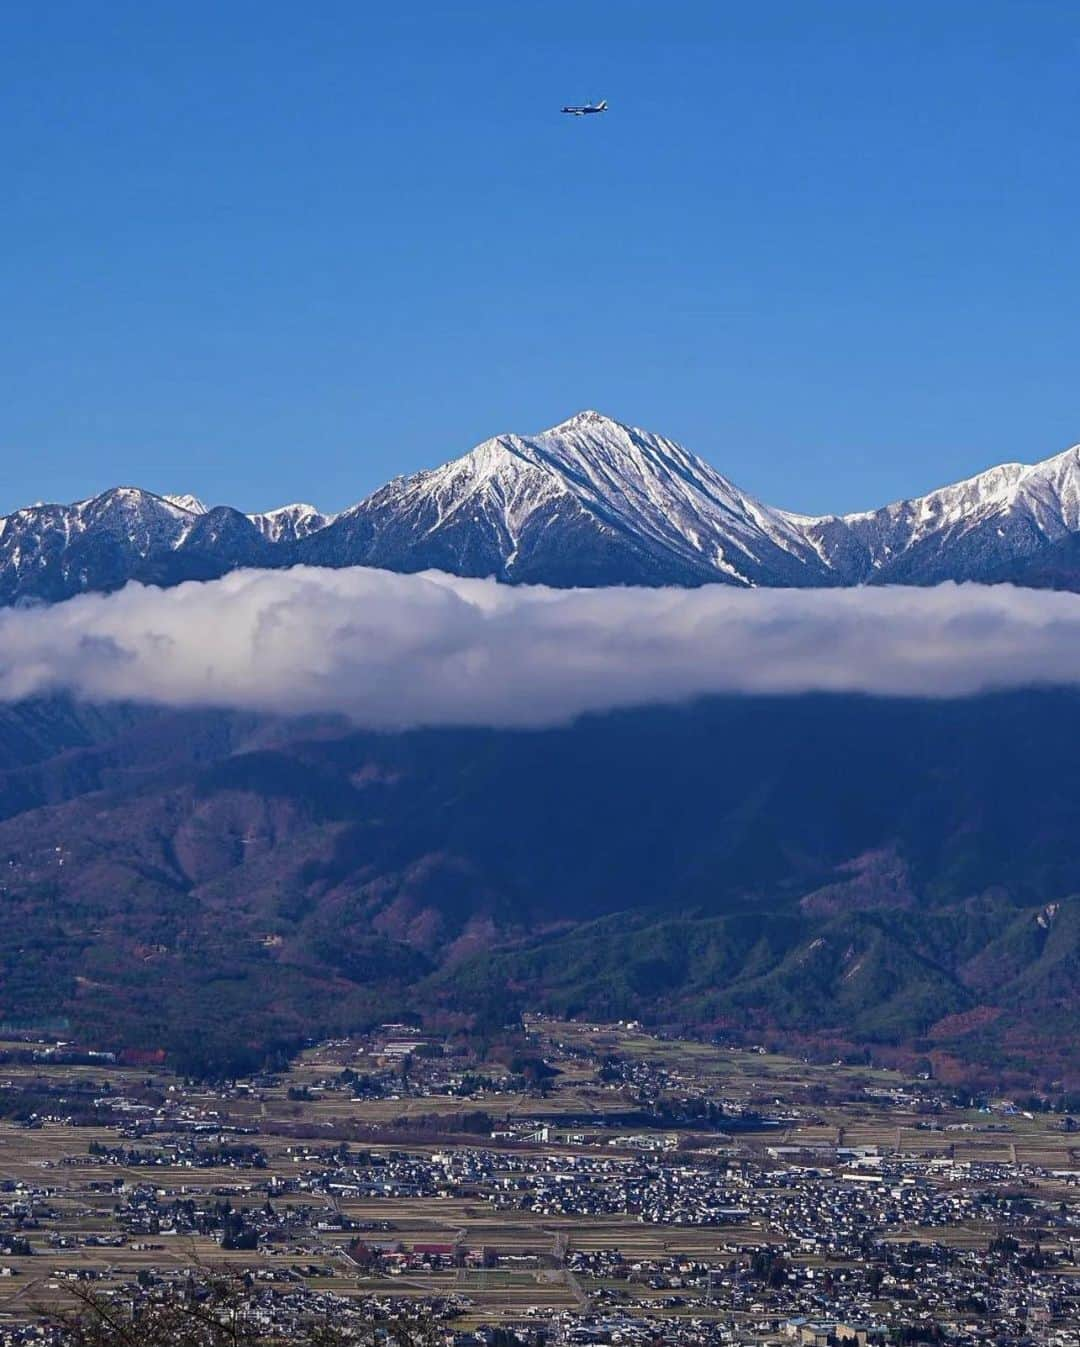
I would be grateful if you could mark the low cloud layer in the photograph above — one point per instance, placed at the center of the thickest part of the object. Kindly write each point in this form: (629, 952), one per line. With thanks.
(394, 650)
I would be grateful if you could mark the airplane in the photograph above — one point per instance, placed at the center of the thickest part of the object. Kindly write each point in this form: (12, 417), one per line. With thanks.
(587, 108)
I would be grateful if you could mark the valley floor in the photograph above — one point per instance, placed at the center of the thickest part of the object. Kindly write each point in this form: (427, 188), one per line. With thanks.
(577, 1182)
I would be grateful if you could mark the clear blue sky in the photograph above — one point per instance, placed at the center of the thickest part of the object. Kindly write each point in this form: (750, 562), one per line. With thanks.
(273, 251)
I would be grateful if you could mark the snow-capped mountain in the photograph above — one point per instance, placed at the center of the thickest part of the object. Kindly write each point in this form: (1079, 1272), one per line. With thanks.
(290, 523)
(50, 552)
(53, 552)
(973, 530)
(589, 502)
(596, 502)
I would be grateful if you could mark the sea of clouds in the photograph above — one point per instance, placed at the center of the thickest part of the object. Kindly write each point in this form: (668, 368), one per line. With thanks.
(402, 650)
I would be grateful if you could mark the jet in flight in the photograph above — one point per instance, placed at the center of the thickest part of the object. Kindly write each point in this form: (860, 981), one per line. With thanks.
(586, 108)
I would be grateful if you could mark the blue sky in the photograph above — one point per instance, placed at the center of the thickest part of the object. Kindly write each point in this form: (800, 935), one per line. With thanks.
(268, 251)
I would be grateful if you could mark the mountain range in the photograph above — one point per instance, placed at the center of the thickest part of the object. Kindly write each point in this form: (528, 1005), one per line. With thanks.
(834, 874)
(589, 502)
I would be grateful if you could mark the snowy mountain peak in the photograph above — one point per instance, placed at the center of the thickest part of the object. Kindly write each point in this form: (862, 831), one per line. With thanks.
(129, 511)
(591, 431)
(290, 523)
(590, 501)
(972, 529)
(192, 504)
(585, 418)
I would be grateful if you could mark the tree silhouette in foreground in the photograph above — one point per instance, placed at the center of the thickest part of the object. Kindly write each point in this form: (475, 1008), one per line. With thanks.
(216, 1309)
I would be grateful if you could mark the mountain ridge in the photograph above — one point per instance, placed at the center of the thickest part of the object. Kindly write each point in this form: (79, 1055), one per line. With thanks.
(589, 502)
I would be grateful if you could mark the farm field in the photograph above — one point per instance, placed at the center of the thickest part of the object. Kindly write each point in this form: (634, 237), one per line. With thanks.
(609, 1171)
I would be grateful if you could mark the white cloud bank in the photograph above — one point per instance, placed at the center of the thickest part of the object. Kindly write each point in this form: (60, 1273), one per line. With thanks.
(400, 650)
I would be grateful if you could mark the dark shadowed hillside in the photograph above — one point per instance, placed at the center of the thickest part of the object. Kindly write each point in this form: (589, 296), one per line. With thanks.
(851, 869)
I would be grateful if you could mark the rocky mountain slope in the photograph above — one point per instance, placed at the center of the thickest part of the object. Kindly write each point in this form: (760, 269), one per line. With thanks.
(589, 502)
(986, 528)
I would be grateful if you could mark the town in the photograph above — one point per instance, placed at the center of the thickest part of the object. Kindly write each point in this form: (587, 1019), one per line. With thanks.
(572, 1183)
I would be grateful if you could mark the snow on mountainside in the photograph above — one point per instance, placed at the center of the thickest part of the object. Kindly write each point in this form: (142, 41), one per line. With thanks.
(589, 502)
(50, 552)
(595, 502)
(289, 523)
(973, 529)
(192, 504)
